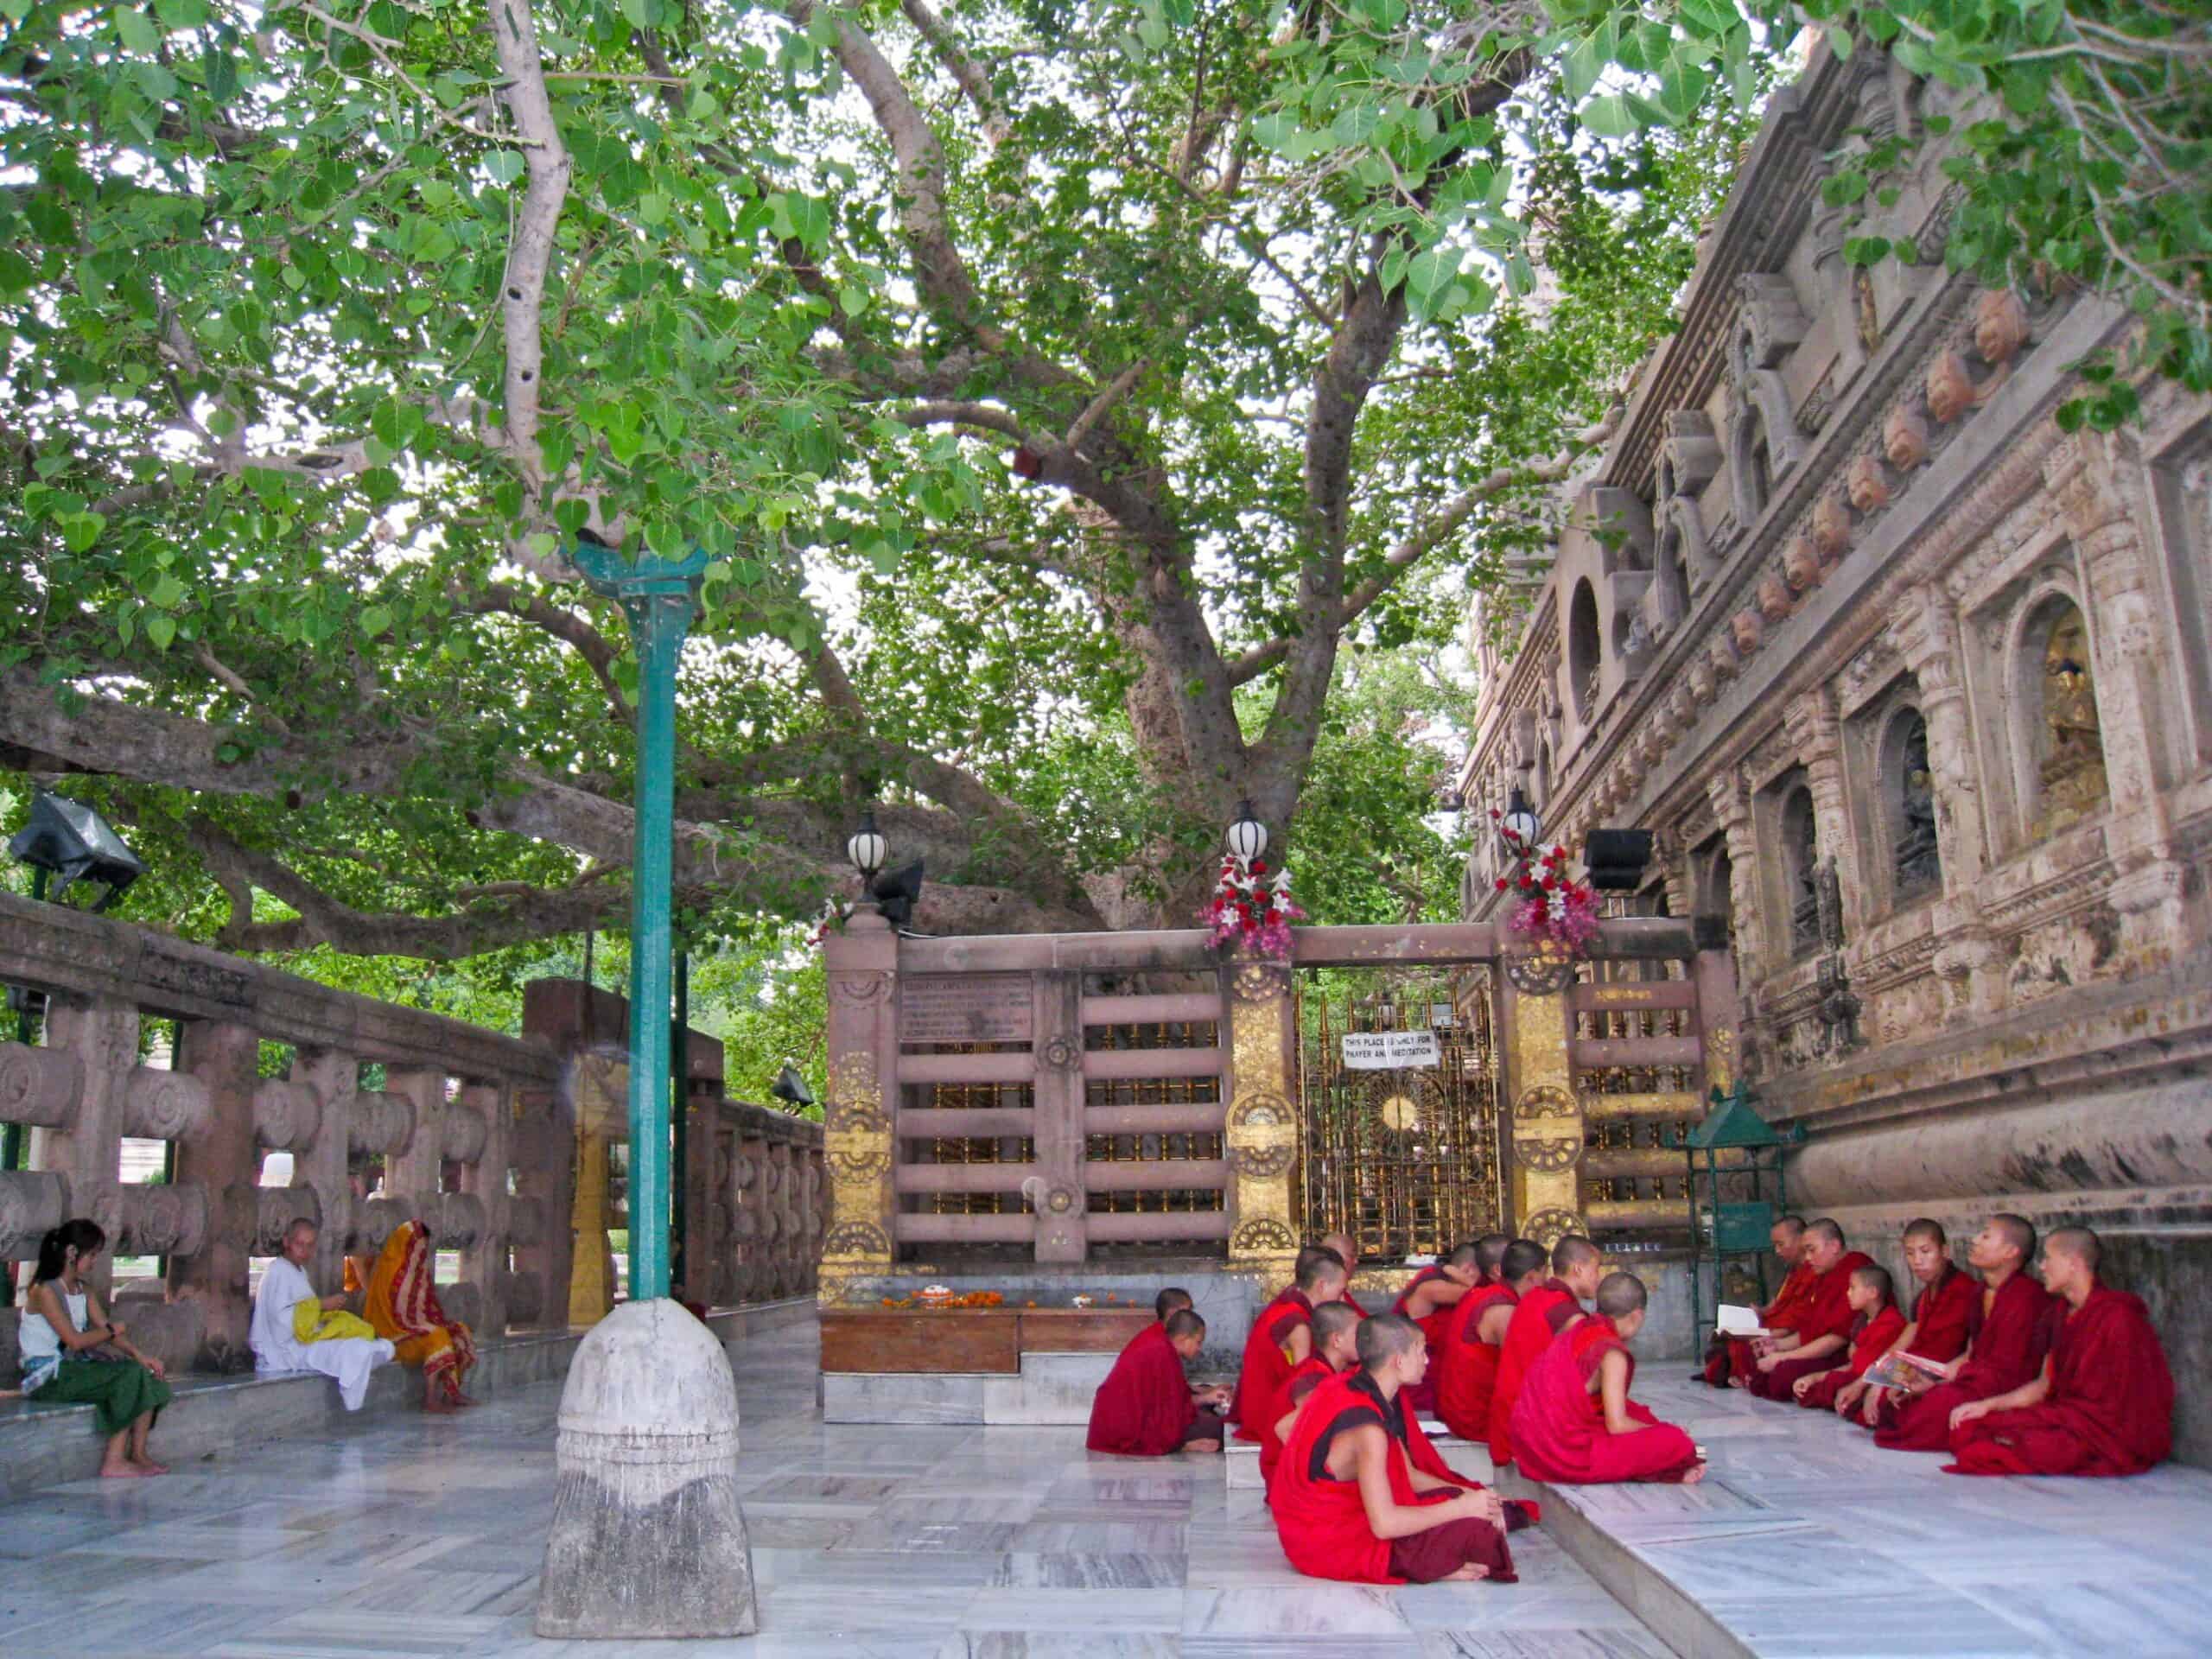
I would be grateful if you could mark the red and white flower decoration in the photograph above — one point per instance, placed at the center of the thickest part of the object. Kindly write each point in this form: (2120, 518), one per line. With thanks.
(1554, 903)
(1252, 908)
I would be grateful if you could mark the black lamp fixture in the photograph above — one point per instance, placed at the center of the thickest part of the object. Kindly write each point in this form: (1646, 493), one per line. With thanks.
(897, 893)
(1617, 858)
(67, 839)
(1248, 836)
(791, 1088)
(1520, 819)
(867, 849)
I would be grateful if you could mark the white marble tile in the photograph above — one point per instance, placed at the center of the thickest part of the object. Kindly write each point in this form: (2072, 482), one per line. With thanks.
(1310, 1608)
(1106, 1612)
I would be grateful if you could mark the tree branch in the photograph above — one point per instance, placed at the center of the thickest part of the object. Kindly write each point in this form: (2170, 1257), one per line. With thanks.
(530, 252)
(962, 68)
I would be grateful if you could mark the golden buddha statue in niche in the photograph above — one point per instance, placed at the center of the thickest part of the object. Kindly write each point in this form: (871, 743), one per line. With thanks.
(2071, 757)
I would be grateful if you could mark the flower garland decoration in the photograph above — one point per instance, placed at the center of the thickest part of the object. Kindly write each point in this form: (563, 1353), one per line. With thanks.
(834, 916)
(1252, 908)
(1555, 905)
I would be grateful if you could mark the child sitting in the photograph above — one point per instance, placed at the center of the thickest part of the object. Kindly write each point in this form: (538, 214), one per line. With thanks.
(1878, 1323)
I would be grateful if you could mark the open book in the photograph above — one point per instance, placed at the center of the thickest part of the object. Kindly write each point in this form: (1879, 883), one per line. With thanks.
(1730, 1321)
(1895, 1371)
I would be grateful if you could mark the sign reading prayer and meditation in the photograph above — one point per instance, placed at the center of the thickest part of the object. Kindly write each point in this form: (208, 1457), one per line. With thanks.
(1390, 1051)
(963, 1008)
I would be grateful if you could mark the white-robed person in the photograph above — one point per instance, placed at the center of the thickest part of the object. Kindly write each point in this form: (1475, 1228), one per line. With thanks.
(276, 1344)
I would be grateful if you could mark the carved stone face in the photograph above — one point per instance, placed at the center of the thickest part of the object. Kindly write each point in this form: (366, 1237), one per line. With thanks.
(1801, 566)
(1831, 529)
(1774, 598)
(1904, 438)
(1950, 388)
(2001, 326)
(1745, 630)
(1869, 490)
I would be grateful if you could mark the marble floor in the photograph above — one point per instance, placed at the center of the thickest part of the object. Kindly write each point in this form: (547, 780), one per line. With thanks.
(1808, 1541)
(413, 1537)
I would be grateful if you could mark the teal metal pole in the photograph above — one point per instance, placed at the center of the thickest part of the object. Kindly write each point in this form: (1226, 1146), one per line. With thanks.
(680, 1107)
(656, 595)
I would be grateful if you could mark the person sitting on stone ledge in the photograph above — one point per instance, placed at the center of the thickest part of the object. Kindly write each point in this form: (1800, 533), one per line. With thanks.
(401, 1307)
(1335, 1350)
(1169, 1300)
(1147, 1408)
(2008, 1333)
(1574, 1424)
(74, 1354)
(1876, 1324)
(1466, 1361)
(1940, 1309)
(1358, 1496)
(1427, 1301)
(2103, 1403)
(1282, 1335)
(291, 1324)
(1341, 1246)
(1730, 1357)
(1540, 1314)
(1819, 1335)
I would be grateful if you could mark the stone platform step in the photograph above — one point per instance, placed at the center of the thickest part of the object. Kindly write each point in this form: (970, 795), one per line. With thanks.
(1468, 1458)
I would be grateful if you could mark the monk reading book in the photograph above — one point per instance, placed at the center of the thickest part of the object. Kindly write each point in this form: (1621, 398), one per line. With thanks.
(1427, 1301)
(1819, 1334)
(1940, 1312)
(1574, 1423)
(1350, 1499)
(1466, 1360)
(2008, 1332)
(1876, 1325)
(2102, 1405)
(1336, 1348)
(1147, 1408)
(1348, 1253)
(1281, 1336)
(1730, 1357)
(1541, 1314)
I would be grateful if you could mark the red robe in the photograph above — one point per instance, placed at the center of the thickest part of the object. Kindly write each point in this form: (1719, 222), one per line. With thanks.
(1731, 1356)
(2009, 1343)
(1347, 1300)
(1322, 1523)
(1422, 1396)
(1144, 1406)
(1267, 1367)
(1271, 1448)
(1869, 1340)
(1942, 1311)
(1540, 1315)
(2110, 1410)
(1465, 1366)
(1559, 1424)
(1825, 1312)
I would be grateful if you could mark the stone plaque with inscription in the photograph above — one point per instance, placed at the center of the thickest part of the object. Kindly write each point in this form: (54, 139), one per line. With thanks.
(963, 1008)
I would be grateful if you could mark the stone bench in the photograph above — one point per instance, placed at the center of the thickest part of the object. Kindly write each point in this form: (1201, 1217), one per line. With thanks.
(1468, 1458)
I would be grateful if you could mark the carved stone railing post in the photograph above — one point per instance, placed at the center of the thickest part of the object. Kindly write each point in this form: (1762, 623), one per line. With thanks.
(750, 1175)
(484, 1178)
(413, 1175)
(1063, 1232)
(100, 1034)
(862, 1112)
(219, 1157)
(1260, 1136)
(310, 1114)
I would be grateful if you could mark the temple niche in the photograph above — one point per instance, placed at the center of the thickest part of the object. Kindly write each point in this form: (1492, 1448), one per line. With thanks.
(1914, 687)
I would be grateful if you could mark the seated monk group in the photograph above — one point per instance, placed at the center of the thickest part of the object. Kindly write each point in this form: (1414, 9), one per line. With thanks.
(1147, 1407)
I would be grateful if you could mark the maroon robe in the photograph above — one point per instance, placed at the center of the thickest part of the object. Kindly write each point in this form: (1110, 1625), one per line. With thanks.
(2110, 1409)
(1559, 1423)
(1422, 1396)
(1943, 1313)
(1540, 1315)
(1144, 1408)
(1825, 1312)
(2009, 1341)
(1267, 1367)
(1870, 1339)
(1731, 1356)
(1309, 1373)
(1465, 1367)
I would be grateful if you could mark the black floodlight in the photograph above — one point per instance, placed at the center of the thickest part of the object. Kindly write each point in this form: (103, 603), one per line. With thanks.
(1616, 858)
(791, 1088)
(67, 839)
(895, 894)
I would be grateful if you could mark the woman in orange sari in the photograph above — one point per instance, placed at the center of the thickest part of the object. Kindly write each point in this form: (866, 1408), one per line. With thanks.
(403, 1305)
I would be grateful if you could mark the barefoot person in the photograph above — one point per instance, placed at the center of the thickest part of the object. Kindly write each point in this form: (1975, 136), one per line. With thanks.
(1543, 1312)
(1350, 1501)
(63, 1327)
(1147, 1408)
(1819, 1335)
(289, 1322)
(1941, 1311)
(1466, 1361)
(1574, 1423)
(2104, 1403)
(2008, 1334)
(402, 1308)
(1282, 1335)
(1730, 1357)
(1427, 1301)
(1335, 1350)
(1877, 1324)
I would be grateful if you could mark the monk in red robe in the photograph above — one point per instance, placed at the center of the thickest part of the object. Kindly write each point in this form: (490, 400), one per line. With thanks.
(1348, 1253)
(1574, 1423)
(1428, 1300)
(1168, 1301)
(1466, 1361)
(1877, 1323)
(1733, 1356)
(1541, 1314)
(1351, 1497)
(1335, 1350)
(1147, 1408)
(2103, 1404)
(2008, 1333)
(1938, 1330)
(1819, 1339)
(1281, 1336)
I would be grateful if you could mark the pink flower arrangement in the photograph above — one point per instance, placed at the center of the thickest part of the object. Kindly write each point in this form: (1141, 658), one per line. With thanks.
(1252, 907)
(1556, 904)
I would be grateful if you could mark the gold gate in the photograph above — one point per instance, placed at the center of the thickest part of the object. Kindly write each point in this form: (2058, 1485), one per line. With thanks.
(1405, 1161)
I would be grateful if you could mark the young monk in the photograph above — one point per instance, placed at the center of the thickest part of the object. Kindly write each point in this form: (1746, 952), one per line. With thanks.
(1348, 1253)
(1819, 1335)
(1466, 1360)
(1730, 1357)
(2008, 1333)
(1541, 1314)
(1939, 1311)
(1281, 1336)
(1876, 1325)
(1168, 1301)
(1351, 1498)
(1147, 1408)
(2103, 1404)
(1336, 1348)
(1574, 1423)
(1427, 1301)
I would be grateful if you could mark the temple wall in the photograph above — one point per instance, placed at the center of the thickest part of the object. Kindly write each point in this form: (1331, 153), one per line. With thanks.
(1914, 687)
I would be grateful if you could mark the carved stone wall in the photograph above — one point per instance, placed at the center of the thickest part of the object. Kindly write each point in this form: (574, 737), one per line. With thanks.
(1917, 690)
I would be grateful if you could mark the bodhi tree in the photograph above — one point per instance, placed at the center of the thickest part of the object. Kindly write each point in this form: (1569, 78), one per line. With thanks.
(1036, 375)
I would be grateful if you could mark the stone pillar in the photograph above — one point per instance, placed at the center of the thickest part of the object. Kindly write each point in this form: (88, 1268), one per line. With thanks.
(749, 1172)
(860, 1120)
(1732, 807)
(1713, 971)
(101, 1037)
(321, 1151)
(1547, 1134)
(223, 1159)
(1817, 734)
(484, 1178)
(414, 1175)
(1261, 1137)
(702, 1059)
(1063, 1227)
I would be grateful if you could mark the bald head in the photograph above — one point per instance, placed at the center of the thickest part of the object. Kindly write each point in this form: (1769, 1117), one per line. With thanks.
(1332, 1320)
(1571, 1252)
(1385, 1338)
(1183, 1322)
(1347, 1251)
(1321, 1271)
(1788, 1237)
(1823, 1244)
(2079, 1242)
(1168, 1301)
(1524, 1260)
(1490, 1254)
(1621, 1294)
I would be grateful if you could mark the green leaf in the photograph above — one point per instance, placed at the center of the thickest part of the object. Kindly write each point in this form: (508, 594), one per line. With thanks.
(396, 424)
(505, 166)
(80, 531)
(1711, 18)
(1611, 116)
(138, 32)
(168, 592)
(160, 631)
(375, 619)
